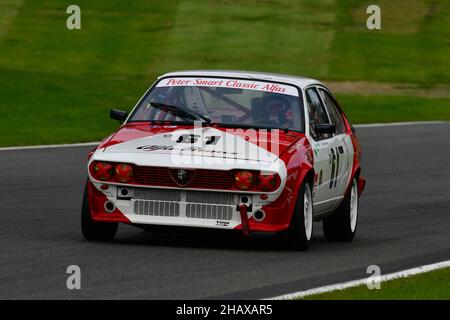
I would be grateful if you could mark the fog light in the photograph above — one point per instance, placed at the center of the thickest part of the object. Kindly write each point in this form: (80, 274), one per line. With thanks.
(259, 215)
(109, 206)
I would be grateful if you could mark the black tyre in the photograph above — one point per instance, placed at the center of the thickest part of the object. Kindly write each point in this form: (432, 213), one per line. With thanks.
(299, 233)
(341, 224)
(93, 230)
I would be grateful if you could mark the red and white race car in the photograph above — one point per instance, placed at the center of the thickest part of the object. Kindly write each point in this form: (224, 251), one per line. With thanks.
(247, 151)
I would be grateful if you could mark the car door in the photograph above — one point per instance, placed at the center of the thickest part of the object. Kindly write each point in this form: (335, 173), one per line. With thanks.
(322, 145)
(341, 148)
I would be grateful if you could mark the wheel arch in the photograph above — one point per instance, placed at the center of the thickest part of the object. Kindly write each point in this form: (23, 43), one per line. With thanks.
(308, 176)
(359, 179)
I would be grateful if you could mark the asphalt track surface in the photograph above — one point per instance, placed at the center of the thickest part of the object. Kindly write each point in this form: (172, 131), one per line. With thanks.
(404, 222)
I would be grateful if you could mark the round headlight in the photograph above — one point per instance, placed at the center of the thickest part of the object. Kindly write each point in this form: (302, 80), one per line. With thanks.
(124, 172)
(267, 182)
(243, 180)
(103, 171)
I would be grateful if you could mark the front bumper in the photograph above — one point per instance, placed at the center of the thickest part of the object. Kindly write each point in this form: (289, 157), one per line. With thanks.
(175, 207)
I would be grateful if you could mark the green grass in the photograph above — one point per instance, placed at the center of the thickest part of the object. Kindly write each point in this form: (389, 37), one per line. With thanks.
(433, 285)
(57, 85)
(375, 109)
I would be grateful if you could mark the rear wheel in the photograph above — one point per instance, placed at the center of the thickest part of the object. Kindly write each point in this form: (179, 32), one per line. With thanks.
(341, 224)
(299, 233)
(93, 230)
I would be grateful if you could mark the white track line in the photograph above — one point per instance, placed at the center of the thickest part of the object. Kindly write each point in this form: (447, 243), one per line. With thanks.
(71, 145)
(51, 146)
(395, 124)
(356, 283)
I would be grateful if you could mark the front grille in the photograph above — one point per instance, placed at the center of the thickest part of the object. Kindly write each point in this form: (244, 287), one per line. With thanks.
(157, 208)
(199, 178)
(181, 203)
(209, 211)
(190, 196)
(157, 194)
(211, 197)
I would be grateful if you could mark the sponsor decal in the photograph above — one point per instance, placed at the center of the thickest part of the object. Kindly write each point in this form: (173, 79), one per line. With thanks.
(230, 83)
(222, 223)
(316, 151)
(208, 152)
(206, 146)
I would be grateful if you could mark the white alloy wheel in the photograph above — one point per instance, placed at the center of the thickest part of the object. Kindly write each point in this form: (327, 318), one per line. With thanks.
(308, 211)
(354, 205)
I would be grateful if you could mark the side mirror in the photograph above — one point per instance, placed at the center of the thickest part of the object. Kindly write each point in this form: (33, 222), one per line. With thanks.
(328, 128)
(118, 115)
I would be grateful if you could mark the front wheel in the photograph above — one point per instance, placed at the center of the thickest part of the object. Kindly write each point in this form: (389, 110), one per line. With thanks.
(299, 233)
(341, 224)
(93, 230)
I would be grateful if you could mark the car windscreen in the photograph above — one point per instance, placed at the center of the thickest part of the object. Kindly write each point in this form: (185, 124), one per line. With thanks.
(238, 102)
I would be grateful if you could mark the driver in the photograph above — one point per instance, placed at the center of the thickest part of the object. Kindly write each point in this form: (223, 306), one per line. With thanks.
(279, 112)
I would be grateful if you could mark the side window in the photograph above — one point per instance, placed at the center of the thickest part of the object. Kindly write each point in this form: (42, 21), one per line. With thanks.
(317, 113)
(333, 111)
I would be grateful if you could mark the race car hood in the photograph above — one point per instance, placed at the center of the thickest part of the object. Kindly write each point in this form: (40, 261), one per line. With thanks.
(165, 141)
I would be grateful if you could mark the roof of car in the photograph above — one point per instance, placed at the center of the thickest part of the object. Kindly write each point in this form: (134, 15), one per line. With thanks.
(302, 82)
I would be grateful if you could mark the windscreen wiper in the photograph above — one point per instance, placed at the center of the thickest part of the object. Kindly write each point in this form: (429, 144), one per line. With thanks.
(252, 126)
(180, 112)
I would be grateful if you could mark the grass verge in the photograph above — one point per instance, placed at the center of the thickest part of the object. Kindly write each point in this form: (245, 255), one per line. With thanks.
(434, 285)
(376, 109)
(56, 85)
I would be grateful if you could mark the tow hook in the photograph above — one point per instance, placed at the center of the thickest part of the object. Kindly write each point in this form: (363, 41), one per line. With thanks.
(243, 208)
